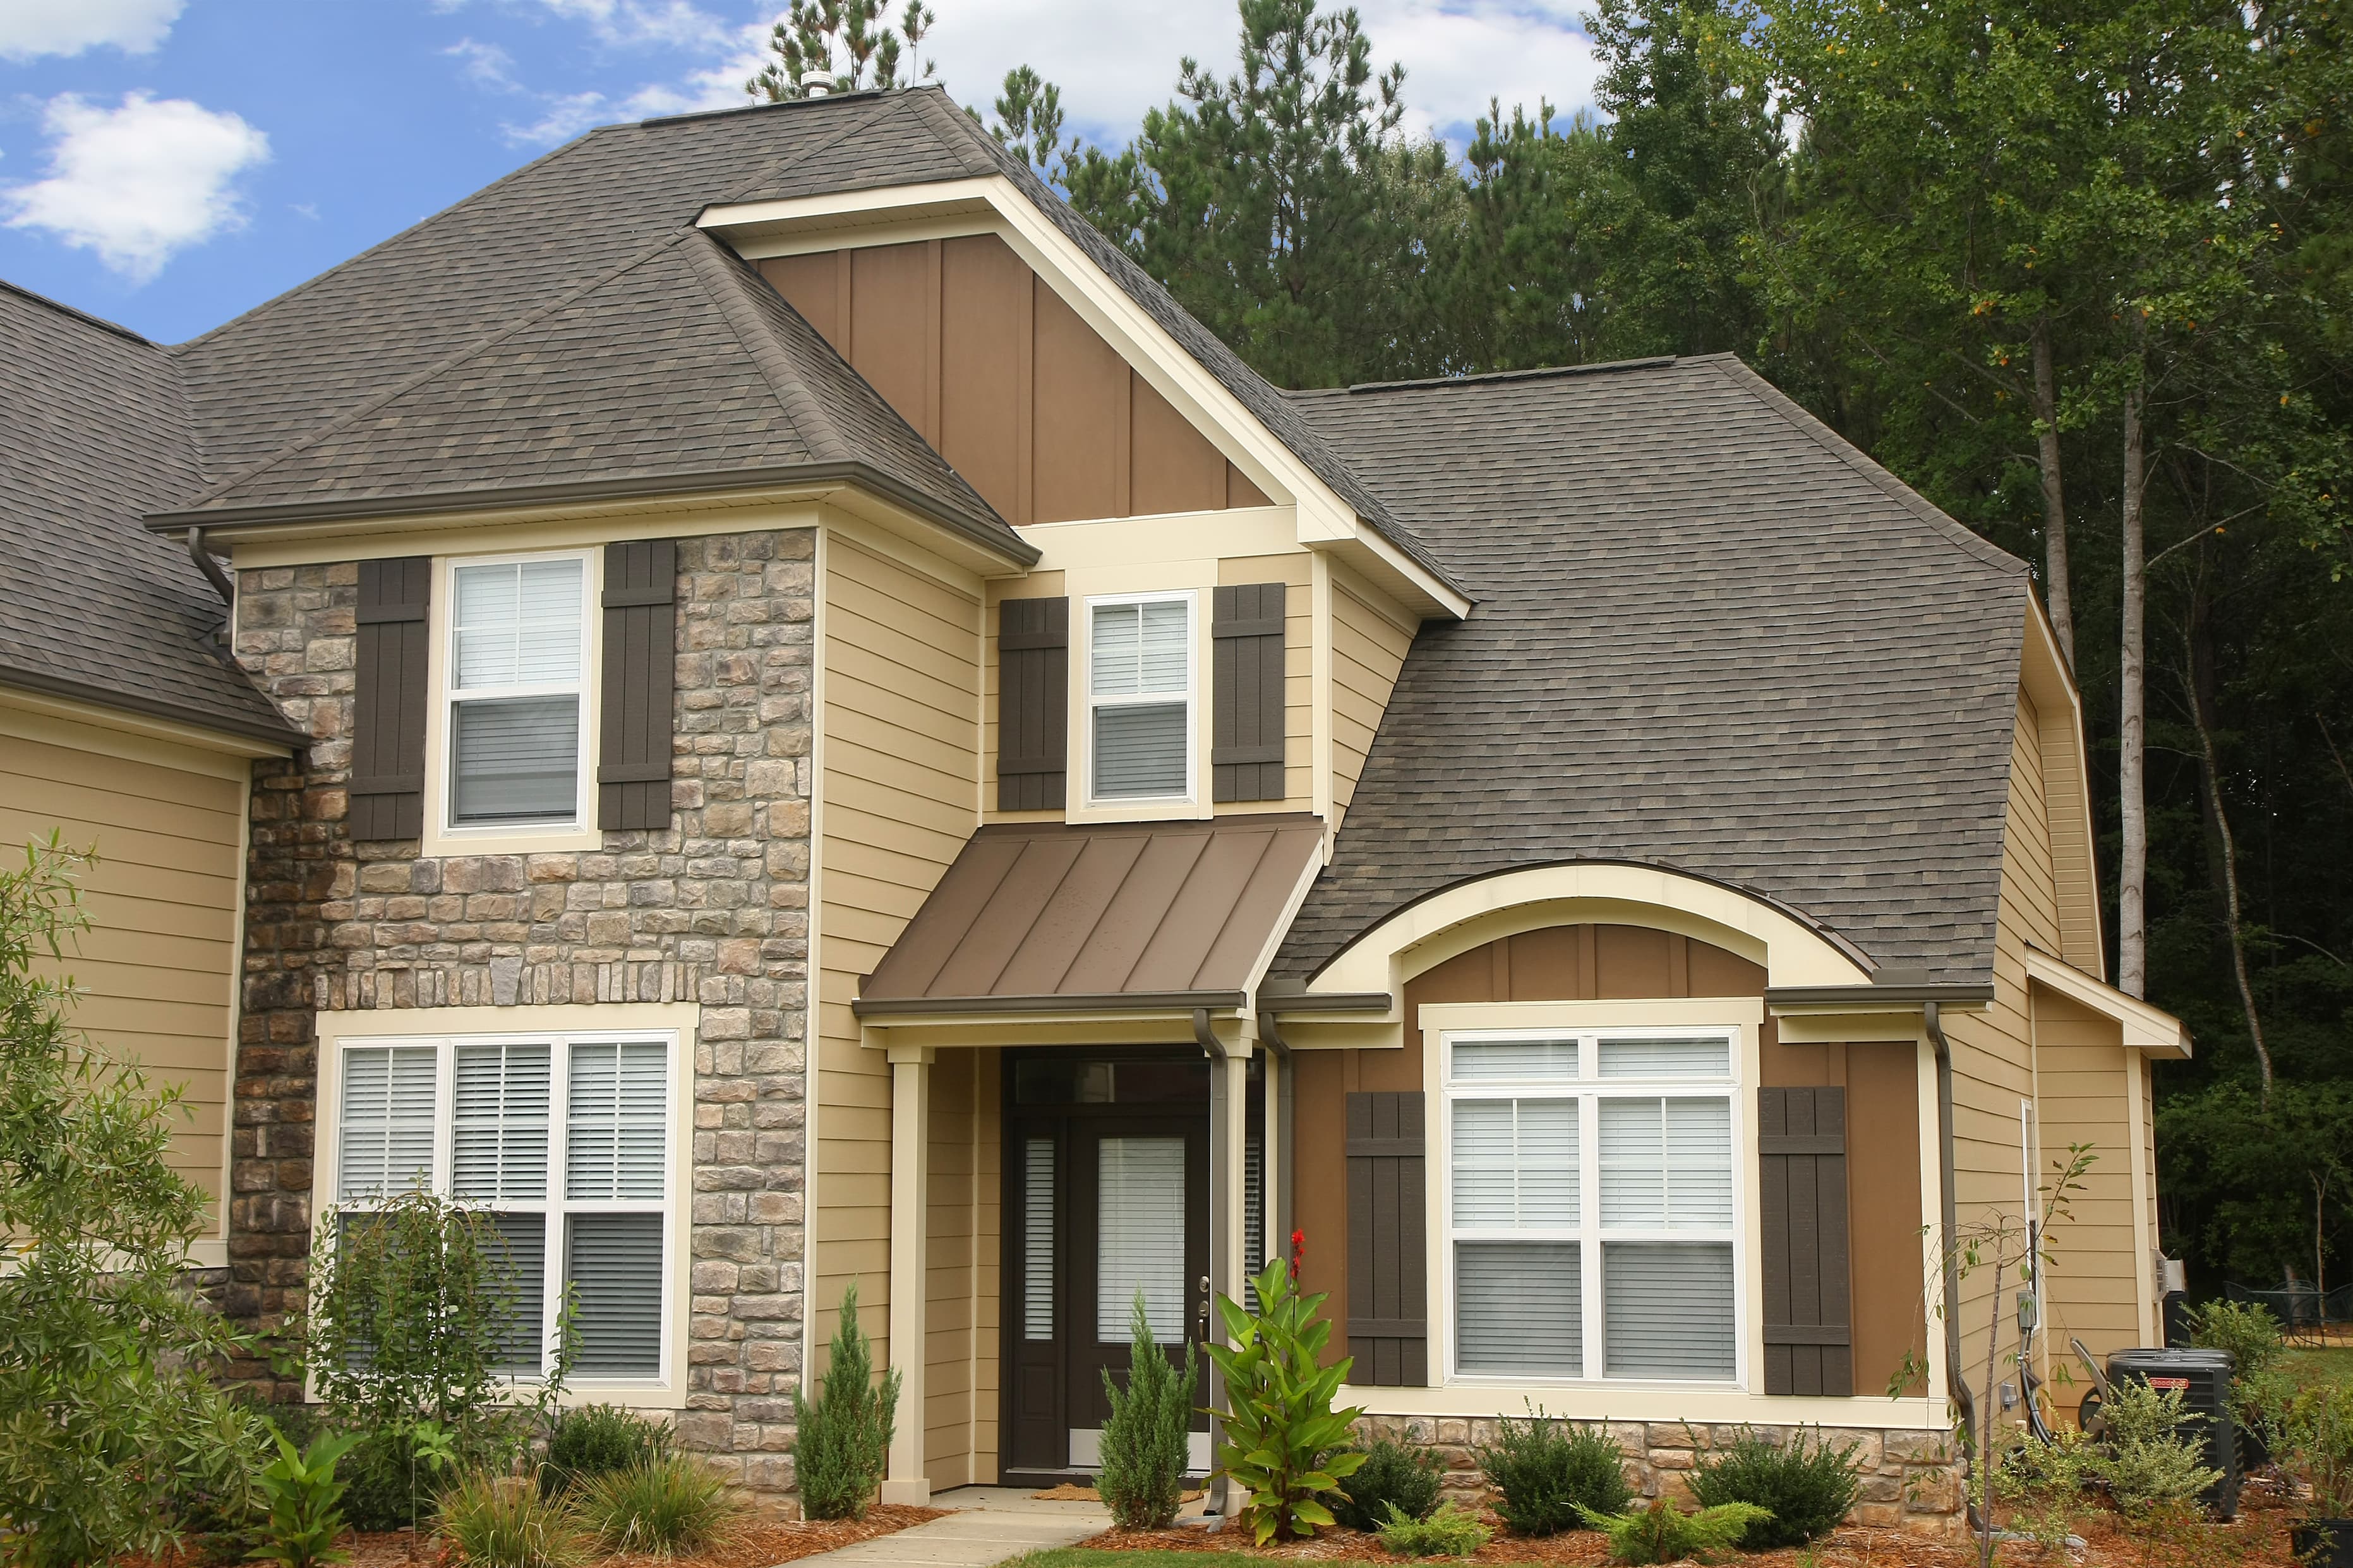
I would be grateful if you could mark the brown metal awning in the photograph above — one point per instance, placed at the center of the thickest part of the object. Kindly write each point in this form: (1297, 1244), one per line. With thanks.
(1129, 916)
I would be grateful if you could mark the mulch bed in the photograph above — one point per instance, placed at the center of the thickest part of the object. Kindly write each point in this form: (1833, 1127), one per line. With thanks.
(2257, 1539)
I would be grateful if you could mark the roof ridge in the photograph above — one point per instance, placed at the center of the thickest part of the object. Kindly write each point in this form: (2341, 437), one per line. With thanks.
(1736, 371)
(659, 121)
(726, 289)
(1534, 373)
(492, 340)
(62, 309)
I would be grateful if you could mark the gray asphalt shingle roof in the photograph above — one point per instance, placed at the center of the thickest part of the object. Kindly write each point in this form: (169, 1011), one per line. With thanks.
(93, 433)
(1710, 636)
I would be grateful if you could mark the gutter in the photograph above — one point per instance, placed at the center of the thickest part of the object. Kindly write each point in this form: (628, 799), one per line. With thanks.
(1950, 1218)
(1875, 997)
(284, 739)
(1201, 1002)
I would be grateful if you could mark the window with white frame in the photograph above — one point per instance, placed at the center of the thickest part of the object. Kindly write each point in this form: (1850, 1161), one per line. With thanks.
(1140, 696)
(1590, 1204)
(563, 1140)
(518, 662)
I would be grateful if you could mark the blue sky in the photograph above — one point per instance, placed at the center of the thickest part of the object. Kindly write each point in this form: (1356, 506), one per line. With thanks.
(168, 163)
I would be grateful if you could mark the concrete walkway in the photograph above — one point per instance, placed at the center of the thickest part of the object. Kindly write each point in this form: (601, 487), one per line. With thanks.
(990, 1525)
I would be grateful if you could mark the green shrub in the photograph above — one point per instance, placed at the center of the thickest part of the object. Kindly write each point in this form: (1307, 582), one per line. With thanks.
(1549, 1475)
(2259, 1387)
(843, 1436)
(2042, 1485)
(381, 1482)
(1280, 1438)
(2318, 1432)
(1665, 1534)
(303, 1523)
(1147, 1437)
(2154, 1452)
(591, 1440)
(1402, 1477)
(660, 1506)
(1448, 1532)
(502, 1521)
(1806, 1486)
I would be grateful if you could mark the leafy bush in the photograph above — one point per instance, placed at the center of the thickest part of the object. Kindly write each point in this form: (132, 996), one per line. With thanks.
(502, 1521)
(101, 1346)
(1806, 1486)
(2260, 1388)
(2318, 1429)
(1279, 1437)
(660, 1506)
(843, 1438)
(1448, 1532)
(592, 1440)
(2155, 1455)
(1665, 1534)
(1549, 1476)
(2043, 1486)
(303, 1521)
(1400, 1477)
(1147, 1436)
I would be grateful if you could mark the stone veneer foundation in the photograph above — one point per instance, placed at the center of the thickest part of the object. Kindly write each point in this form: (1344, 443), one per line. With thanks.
(714, 911)
(1910, 1480)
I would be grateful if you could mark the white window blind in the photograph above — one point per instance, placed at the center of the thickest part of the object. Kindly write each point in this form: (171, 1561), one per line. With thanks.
(1253, 1217)
(1668, 1309)
(1037, 1238)
(614, 1264)
(522, 1346)
(1519, 1309)
(499, 1137)
(516, 684)
(1140, 1238)
(617, 1122)
(385, 1142)
(1522, 1061)
(1666, 1164)
(1515, 1163)
(1630, 1057)
(1140, 692)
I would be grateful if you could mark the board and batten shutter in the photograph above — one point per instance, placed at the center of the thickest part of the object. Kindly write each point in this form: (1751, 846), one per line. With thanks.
(389, 670)
(1801, 1188)
(633, 767)
(1246, 693)
(1033, 704)
(1388, 1241)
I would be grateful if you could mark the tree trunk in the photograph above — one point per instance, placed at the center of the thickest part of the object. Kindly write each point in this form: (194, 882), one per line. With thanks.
(2132, 805)
(2197, 680)
(2056, 591)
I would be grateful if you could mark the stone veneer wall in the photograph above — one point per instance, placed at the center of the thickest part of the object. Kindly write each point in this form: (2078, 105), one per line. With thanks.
(714, 911)
(1911, 1480)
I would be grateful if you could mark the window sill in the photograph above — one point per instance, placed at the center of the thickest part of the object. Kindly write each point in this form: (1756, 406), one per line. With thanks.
(1157, 809)
(442, 843)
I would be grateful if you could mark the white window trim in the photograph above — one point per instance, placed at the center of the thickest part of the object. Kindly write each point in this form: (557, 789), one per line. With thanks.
(442, 837)
(1588, 1088)
(560, 1028)
(1110, 808)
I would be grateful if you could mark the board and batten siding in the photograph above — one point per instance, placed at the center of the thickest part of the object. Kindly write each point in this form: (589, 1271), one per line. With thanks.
(899, 794)
(158, 966)
(1368, 650)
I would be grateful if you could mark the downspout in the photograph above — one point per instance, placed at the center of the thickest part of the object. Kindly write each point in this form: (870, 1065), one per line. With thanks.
(1951, 1217)
(1208, 1037)
(210, 567)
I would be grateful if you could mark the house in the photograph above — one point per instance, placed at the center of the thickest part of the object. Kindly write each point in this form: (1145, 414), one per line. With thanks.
(758, 700)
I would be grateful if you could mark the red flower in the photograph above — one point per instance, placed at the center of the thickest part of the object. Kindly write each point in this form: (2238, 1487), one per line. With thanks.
(1298, 1250)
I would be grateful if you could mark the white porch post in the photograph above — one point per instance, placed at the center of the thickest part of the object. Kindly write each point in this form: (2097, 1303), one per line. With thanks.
(911, 1164)
(1229, 1147)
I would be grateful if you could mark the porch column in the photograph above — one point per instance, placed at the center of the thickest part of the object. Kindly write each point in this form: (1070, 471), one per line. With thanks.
(1229, 1146)
(911, 1169)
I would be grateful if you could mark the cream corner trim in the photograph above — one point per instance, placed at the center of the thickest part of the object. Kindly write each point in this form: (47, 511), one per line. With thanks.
(2146, 1029)
(1469, 914)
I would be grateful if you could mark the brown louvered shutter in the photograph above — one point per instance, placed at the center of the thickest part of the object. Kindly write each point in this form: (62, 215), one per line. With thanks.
(1801, 1188)
(387, 787)
(1245, 693)
(1033, 704)
(640, 676)
(1388, 1242)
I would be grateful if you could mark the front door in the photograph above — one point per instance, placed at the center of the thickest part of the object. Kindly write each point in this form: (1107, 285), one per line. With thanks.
(1107, 1197)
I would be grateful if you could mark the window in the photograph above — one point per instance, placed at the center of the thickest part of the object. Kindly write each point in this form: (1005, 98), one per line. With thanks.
(1590, 1204)
(517, 691)
(1140, 698)
(564, 1141)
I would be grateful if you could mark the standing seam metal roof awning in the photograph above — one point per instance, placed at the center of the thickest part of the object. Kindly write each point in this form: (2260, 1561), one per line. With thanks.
(1048, 917)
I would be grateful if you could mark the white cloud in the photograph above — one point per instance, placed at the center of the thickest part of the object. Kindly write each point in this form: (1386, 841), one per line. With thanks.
(485, 65)
(719, 85)
(30, 28)
(137, 184)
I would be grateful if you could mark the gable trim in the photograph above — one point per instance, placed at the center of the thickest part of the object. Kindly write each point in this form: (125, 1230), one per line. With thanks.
(2146, 1029)
(2043, 676)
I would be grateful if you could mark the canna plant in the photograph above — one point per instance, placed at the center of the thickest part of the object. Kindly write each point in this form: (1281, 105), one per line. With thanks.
(1281, 1439)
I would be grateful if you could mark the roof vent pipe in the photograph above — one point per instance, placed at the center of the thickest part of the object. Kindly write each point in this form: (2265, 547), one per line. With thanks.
(817, 84)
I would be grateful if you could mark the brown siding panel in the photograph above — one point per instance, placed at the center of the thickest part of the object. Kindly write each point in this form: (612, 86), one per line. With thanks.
(1801, 1189)
(1246, 693)
(888, 317)
(1388, 1241)
(387, 788)
(1033, 703)
(633, 770)
(1174, 469)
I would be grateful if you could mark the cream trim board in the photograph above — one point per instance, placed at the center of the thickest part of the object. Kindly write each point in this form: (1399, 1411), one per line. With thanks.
(108, 732)
(674, 1023)
(2043, 671)
(441, 837)
(1319, 697)
(1932, 1214)
(1183, 538)
(812, 1038)
(2146, 1029)
(1675, 1012)
(2145, 1248)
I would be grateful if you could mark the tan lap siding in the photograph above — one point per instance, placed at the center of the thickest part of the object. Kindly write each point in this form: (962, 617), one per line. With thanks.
(158, 965)
(1296, 573)
(899, 796)
(1369, 649)
(2092, 1288)
(962, 1284)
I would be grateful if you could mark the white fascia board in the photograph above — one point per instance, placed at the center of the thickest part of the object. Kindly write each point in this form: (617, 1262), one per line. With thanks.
(991, 204)
(2146, 1028)
(2043, 672)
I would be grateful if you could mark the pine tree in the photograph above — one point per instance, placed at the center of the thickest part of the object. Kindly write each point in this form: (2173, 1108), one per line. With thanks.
(843, 1439)
(848, 45)
(1148, 1435)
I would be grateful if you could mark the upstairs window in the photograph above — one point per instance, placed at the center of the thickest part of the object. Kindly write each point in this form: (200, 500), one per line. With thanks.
(517, 691)
(1140, 698)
